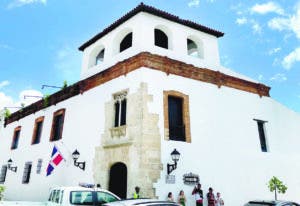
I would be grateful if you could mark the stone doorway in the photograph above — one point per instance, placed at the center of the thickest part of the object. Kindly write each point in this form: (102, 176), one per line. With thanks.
(118, 179)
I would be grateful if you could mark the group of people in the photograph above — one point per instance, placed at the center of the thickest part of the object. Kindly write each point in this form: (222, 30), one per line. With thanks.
(212, 200)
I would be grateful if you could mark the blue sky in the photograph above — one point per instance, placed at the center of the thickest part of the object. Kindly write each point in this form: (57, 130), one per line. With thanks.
(39, 40)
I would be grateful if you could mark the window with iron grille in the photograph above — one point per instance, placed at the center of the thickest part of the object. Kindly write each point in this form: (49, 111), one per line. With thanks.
(16, 137)
(120, 109)
(3, 173)
(262, 135)
(27, 172)
(57, 125)
(39, 166)
(37, 131)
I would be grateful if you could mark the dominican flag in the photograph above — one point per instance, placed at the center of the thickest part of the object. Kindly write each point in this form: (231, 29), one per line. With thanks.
(56, 158)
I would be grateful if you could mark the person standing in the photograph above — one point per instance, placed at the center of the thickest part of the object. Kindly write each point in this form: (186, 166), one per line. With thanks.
(181, 198)
(136, 194)
(211, 200)
(170, 197)
(198, 193)
(219, 200)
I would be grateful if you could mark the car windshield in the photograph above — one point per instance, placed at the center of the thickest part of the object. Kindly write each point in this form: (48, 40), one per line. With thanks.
(81, 198)
(104, 197)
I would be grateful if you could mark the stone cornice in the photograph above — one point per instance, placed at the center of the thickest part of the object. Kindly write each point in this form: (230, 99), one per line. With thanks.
(151, 61)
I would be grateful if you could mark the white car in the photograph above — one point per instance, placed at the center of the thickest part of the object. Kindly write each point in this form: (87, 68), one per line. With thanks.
(271, 203)
(67, 196)
(141, 202)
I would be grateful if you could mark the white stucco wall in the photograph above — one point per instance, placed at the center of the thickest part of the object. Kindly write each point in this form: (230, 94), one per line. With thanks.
(225, 148)
(142, 26)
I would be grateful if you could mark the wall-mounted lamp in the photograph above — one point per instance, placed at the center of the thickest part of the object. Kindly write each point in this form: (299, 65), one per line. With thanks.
(75, 156)
(9, 163)
(44, 85)
(175, 157)
(32, 96)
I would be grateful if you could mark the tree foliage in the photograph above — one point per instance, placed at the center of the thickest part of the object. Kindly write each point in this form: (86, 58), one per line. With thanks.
(6, 113)
(65, 84)
(2, 188)
(276, 185)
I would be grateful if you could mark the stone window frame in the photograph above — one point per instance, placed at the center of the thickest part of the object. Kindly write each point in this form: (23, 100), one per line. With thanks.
(186, 113)
(119, 97)
(16, 138)
(55, 114)
(34, 135)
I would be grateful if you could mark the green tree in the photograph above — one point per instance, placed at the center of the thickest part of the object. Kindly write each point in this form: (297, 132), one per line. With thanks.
(2, 188)
(275, 185)
(65, 84)
(46, 100)
(6, 113)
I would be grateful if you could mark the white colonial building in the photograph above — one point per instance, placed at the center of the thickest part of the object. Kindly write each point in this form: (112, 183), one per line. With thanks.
(152, 82)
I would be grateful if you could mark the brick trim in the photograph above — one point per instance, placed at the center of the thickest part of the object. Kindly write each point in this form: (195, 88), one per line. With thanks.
(186, 113)
(55, 114)
(15, 136)
(151, 61)
(37, 120)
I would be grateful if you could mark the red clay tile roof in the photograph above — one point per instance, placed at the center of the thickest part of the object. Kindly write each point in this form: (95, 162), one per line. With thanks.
(151, 10)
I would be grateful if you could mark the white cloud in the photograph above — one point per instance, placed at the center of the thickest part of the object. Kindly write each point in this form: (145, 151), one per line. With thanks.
(274, 51)
(291, 58)
(265, 8)
(256, 27)
(290, 23)
(194, 3)
(7, 101)
(4, 83)
(279, 77)
(238, 8)
(279, 24)
(260, 77)
(19, 3)
(5, 46)
(241, 21)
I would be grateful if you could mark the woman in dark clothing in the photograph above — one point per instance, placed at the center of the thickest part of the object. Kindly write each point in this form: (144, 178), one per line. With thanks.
(211, 197)
(198, 195)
